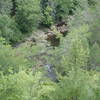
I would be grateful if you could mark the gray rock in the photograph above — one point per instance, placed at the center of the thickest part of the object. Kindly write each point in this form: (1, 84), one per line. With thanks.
(51, 73)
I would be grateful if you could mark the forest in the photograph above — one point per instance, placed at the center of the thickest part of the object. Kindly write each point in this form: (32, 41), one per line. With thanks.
(49, 49)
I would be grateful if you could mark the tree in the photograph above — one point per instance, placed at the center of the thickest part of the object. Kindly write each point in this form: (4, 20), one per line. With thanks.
(47, 9)
(5, 7)
(9, 30)
(64, 8)
(73, 53)
(27, 15)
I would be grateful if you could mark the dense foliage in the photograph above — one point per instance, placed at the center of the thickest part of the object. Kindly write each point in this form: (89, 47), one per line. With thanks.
(5, 6)
(31, 69)
(27, 14)
(9, 30)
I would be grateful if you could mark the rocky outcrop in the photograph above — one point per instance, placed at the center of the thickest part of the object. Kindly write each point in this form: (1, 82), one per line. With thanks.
(61, 28)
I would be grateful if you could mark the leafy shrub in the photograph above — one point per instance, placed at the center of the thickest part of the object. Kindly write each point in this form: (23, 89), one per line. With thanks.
(17, 86)
(47, 12)
(47, 18)
(58, 10)
(5, 6)
(27, 15)
(89, 15)
(8, 29)
(79, 85)
(24, 86)
(65, 8)
(11, 61)
(77, 50)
